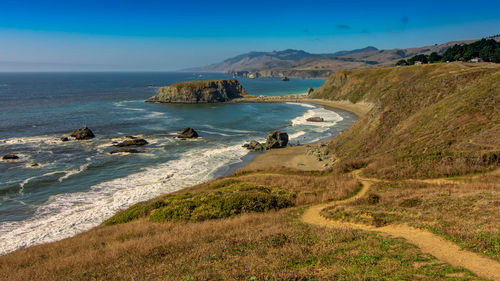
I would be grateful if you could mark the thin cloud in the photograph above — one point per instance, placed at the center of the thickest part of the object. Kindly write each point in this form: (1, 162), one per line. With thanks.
(343, 26)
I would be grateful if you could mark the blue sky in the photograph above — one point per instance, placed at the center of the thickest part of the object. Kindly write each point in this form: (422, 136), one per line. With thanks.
(169, 35)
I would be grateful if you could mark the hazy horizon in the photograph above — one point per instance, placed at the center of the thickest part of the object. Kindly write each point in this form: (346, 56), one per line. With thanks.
(157, 36)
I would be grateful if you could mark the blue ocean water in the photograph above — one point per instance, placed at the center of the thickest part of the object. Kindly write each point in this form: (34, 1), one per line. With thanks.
(78, 184)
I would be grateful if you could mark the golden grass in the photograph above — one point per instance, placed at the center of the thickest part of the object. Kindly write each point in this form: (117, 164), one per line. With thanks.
(267, 246)
(465, 212)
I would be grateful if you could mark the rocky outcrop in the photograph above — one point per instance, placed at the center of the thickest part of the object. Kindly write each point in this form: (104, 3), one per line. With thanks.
(188, 133)
(10, 157)
(255, 146)
(83, 134)
(310, 90)
(210, 91)
(132, 142)
(315, 119)
(64, 139)
(276, 139)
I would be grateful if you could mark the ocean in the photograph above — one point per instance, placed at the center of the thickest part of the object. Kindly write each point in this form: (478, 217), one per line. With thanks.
(78, 184)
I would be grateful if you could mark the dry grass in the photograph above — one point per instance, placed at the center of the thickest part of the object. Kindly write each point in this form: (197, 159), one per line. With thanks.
(465, 212)
(308, 189)
(267, 246)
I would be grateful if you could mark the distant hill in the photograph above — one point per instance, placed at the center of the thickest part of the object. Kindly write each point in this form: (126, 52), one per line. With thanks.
(299, 63)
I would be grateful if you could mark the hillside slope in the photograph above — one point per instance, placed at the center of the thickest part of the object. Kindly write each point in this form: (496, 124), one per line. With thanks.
(428, 121)
(298, 63)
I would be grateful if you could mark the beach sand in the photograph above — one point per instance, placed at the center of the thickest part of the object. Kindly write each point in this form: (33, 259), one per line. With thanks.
(296, 157)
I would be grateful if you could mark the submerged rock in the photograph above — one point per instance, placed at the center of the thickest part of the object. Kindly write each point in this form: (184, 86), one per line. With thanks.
(315, 119)
(188, 133)
(132, 142)
(210, 91)
(10, 157)
(83, 134)
(126, 150)
(276, 139)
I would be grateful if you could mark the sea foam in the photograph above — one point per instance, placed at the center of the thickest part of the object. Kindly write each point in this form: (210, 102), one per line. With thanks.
(67, 214)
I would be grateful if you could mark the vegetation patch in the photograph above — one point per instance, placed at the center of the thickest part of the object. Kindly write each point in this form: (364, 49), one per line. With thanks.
(222, 200)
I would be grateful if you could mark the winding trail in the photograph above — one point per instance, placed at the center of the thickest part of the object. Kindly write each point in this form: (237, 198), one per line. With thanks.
(440, 248)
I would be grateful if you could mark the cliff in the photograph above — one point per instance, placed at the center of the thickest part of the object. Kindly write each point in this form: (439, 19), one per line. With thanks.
(427, 121)
(210, 91)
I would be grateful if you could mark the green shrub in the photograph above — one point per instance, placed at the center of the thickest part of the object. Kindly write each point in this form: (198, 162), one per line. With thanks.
(223, 202)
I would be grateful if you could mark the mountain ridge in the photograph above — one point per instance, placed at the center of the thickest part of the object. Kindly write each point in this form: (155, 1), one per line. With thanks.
(299, 63)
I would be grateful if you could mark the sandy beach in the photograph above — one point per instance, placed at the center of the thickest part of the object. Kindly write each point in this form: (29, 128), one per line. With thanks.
(296, 157)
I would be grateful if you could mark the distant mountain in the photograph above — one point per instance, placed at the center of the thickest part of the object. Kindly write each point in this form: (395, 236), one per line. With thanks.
(343, 53)
(255, 61)
(299, 63)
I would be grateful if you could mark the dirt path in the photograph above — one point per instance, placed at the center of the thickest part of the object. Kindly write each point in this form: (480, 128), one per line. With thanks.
(440, 248)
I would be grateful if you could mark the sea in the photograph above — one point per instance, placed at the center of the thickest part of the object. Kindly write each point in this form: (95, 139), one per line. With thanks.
(76, 185)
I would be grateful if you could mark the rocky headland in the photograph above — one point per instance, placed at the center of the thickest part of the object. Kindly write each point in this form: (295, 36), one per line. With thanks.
(211, 91)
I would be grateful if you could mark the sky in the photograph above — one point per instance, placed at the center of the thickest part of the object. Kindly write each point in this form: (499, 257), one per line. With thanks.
(153, 35)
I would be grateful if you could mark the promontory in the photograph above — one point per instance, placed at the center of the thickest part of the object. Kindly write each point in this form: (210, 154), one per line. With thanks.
(209, 91)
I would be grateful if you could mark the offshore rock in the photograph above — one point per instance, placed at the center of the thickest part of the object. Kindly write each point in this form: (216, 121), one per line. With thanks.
(188, 133)
(315, 119)
(124, 150)
(210, 91)
(10, 157)
(83, 134)
(132, 142)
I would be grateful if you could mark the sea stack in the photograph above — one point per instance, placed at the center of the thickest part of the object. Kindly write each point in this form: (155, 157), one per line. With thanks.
(210, 91)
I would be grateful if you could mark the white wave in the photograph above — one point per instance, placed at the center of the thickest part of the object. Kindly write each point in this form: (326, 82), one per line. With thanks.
(155, 114)
(26, 181)
(296, 135)
(31, 140)
(330, 118)
(65, 215)
(134, 109)
(302, 104)
(73, 172)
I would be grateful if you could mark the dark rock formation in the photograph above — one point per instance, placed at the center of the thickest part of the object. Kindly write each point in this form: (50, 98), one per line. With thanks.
(126, 150)
(64, 139)
(210, 91)
(276, 140)
(255, 146)
(315, 119)
(310, 90)
(10, 157)
(188, 133)
(83, 134)
(132, 142)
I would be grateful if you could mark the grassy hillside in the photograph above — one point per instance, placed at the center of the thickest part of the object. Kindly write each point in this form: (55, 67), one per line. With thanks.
(427, 121)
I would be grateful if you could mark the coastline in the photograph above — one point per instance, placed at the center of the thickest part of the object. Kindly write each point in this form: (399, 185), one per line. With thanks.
(359, 109)
(296, 157)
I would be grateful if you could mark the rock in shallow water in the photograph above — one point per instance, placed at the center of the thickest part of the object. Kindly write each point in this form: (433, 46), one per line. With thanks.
(125, 150)
(10, 157)
(83, 134)
(315, 119)
(132, 142)
(188, 133)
